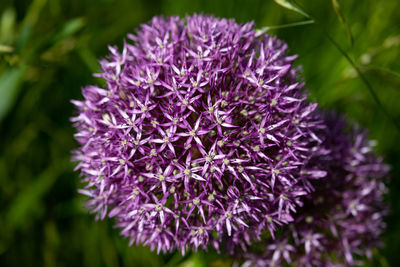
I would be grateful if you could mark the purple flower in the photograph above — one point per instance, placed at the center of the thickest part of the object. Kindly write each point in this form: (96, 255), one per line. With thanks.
(343, 218)
(201, 136)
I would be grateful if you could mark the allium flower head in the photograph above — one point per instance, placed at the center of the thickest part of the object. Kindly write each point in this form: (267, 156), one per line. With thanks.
(343, 218)
(201, 135)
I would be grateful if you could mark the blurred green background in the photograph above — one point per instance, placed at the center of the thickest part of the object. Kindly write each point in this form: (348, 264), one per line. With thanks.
(49, 50)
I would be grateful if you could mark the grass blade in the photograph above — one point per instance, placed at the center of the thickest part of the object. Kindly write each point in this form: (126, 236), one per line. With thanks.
(20, 209)
(365, 81)
(336, 8)
(370, 88)
(289, 25)
(70, 28)
(6, 49)
(10, 84)
(382, 69)
(290, 5)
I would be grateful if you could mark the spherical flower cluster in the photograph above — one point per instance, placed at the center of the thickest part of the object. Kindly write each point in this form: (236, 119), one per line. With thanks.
(342, 219)
(202, 135)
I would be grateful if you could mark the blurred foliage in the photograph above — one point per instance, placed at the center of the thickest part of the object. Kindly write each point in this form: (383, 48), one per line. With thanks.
(49, 50)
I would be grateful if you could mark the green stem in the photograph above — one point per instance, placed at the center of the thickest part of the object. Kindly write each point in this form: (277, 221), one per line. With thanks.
(357, 69)
(289, 25)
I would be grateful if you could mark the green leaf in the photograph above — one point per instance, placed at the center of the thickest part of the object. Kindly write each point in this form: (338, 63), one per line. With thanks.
(70, 28)
(365, 81)
(194, 261)
(382, 69)
(19, 210)
(29, 22)
(7, 26)
(10, 83)
(175, 260)
(292, 6)
(336, 8)
(6, 49)
(89, 59)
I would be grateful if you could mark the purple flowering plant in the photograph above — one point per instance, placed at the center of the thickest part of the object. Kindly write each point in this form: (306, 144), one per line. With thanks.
(343, 218)
(203, 137)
